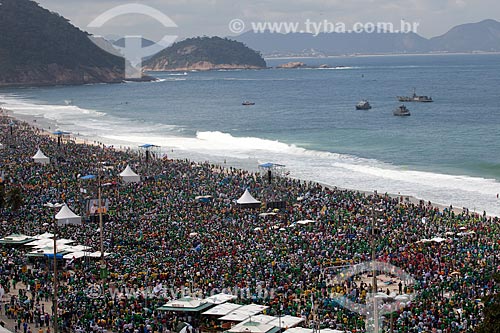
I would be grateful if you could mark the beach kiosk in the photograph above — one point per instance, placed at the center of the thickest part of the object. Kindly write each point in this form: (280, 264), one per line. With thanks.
(40, 157)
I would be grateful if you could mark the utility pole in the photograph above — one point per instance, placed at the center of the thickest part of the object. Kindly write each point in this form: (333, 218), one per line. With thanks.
(374, 273)
(101, 231)
(54, 301)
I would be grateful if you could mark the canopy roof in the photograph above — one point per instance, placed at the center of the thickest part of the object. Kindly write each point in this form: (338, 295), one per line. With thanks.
(283, 322)
(247, 198)
(58, 132)
(45, 235)
(66, 216)
(16, 239)
(97, 254)
(270, 165)
(148, 145)
(222, 309)
(128, 172)
(186, 304)
(244, 312)
(40, 157)
(310, 330)
(304, 222)
(128, 175)
(286, 321)
(253, 327)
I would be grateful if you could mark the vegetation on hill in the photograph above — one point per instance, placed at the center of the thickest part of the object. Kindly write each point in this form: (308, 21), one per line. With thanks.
(41, 47)
(206, 52)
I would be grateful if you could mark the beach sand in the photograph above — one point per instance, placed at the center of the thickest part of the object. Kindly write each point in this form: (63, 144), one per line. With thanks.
(47, 127)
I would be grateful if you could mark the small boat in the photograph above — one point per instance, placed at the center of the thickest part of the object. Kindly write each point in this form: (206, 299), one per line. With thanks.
(402, 111)
(248, 103)
(415, 98)
(363, 105)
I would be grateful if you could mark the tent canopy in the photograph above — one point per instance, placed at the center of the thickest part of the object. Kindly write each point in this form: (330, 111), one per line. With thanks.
(129, 176)
(186, 304)
(244, 312)
(66, 216)
(222, 309)
(270, 165)
(40, 157)
(253, 327)
(247, 199)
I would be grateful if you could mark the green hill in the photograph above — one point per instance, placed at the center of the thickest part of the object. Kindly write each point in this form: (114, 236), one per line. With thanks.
(39, 47)
(205, 53)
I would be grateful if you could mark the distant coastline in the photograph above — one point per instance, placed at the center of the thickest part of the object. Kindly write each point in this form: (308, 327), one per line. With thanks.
(379, 55)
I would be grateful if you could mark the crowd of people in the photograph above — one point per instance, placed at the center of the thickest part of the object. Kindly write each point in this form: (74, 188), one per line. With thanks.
(164, 243)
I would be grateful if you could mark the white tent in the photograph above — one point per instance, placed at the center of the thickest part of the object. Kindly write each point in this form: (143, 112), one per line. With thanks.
(251, 327)
(45, 235)
(76, 255)
(220, 298)
(222, 309)
(129, 176)
(247, 200)
(286, 321)
(66, 216)
(304, 222)
(244, 312)
(96, 254)
(40, 157)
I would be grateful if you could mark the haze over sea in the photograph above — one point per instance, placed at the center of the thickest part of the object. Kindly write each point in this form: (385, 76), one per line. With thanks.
(447, 152)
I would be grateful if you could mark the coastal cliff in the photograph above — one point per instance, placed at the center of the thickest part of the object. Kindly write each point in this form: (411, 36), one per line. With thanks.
(39, 47)
(205, 53)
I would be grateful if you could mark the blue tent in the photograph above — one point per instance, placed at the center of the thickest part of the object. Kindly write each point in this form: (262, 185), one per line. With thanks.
(51, 255)
(270, 165)
(60, 133)
(88, 177)
(147, 145)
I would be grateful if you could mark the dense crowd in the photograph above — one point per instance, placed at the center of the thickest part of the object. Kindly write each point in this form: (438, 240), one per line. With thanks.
(163, 240)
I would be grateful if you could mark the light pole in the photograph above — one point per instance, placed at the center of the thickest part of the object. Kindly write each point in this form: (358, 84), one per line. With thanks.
(375, 213)
(101, 227)
(54, 301)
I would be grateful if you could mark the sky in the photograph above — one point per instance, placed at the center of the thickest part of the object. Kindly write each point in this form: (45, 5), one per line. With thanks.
(212, 17)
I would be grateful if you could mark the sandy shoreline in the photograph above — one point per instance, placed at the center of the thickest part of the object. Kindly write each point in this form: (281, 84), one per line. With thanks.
(48, 127)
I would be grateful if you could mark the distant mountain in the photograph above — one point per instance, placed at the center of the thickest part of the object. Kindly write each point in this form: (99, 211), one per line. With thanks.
(205, 53)
(39, 47)
(482, 36)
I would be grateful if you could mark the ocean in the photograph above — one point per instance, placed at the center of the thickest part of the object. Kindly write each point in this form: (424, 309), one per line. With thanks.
(446, 152)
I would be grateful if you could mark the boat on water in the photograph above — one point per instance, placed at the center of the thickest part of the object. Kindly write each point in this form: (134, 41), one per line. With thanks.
(248, 103)
(363, 105)
(402, 111)
(415, 98)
